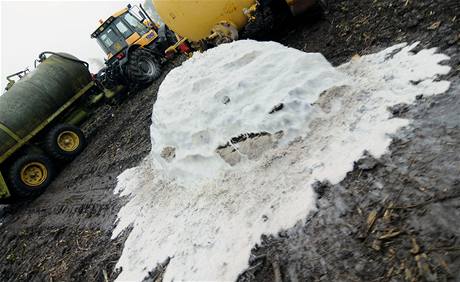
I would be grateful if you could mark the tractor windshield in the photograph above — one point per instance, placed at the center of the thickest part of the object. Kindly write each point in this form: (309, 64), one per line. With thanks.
(135, 24)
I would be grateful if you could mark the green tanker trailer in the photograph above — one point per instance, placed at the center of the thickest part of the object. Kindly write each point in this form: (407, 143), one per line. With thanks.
(39, 118)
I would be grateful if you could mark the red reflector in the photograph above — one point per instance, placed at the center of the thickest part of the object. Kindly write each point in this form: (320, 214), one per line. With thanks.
(120, 56)
(184, 48)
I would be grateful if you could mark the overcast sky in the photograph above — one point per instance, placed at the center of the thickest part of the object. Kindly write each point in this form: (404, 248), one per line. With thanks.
(30, 27)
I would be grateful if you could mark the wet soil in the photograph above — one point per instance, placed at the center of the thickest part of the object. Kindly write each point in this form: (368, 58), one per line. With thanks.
(395, 218)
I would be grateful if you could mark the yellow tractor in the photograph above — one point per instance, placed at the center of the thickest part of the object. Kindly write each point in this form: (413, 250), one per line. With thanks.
(135, 46)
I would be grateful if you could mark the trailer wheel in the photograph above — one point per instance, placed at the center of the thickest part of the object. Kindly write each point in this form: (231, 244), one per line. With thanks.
(30, 175)
(142, 68)
(64, 142)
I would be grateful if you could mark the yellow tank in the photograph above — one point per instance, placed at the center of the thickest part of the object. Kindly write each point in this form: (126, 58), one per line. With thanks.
(194, 19)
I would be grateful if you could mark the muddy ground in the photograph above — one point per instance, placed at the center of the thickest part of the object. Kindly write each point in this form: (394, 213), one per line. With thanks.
(395, 218)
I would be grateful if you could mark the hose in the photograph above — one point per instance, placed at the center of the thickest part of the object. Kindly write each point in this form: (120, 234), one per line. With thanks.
(42, 57)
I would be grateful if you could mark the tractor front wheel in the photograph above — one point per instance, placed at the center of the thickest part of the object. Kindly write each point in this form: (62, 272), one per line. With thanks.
(142, 67)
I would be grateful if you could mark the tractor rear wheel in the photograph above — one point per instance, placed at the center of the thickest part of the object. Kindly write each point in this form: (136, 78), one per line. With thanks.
(30, 175)
(142, 67)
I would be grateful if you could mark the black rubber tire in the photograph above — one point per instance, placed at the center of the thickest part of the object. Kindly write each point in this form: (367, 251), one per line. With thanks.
(56, 152)
(261, 27)
(10, 200)
(19, 188)
(142, 67)
(324, 4)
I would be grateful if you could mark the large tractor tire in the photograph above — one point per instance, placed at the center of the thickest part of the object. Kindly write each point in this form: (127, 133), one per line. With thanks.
(30, 175)
(64, 142)
(142, 67)
(262, 27)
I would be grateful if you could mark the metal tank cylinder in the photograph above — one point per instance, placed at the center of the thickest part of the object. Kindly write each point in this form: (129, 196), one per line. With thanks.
(36, 96)
(195, 19)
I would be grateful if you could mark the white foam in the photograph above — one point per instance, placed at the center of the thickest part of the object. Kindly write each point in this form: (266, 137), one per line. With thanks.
(206, 214)
(228, 91)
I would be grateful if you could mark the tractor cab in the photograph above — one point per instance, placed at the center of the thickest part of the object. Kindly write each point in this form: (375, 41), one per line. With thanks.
(124, 29)
(135, 46)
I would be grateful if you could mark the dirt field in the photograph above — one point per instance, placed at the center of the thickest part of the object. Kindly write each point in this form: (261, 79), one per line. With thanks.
(395, 218)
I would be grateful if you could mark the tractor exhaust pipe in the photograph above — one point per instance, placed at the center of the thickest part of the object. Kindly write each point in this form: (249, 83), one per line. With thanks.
(148, 17)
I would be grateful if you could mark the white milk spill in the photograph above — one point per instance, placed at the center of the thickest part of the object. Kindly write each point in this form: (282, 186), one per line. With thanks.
(206, 215)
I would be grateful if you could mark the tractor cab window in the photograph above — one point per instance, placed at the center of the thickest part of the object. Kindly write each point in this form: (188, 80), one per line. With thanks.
(110, 41)
(135, 24)
(123, 29)
(108, 37)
